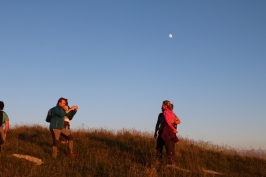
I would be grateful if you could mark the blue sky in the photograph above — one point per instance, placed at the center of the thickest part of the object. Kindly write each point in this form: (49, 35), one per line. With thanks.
(114, 60)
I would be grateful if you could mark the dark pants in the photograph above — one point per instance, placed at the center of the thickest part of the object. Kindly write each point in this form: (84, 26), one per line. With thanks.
(170, 151)
(159, 148)
(170, 138)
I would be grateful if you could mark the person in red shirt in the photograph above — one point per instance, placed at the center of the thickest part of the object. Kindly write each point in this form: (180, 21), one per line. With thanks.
(169, 130)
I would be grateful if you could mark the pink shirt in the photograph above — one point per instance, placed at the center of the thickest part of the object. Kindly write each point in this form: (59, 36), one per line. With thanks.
(169, 117)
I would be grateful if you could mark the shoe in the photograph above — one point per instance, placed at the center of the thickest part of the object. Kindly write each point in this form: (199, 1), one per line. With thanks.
(72, 155)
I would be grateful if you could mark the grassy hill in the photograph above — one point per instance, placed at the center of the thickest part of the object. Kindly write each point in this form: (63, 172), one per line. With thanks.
(121, 153)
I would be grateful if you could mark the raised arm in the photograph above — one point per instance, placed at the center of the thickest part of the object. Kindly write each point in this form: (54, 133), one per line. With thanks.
(71, 114)
(72, 111)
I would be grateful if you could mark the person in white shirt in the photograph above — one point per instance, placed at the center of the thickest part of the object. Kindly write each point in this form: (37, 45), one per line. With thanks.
(66, 124)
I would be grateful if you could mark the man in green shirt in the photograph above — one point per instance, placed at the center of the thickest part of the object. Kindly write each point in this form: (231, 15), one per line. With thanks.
(57, 126)
(3, 120)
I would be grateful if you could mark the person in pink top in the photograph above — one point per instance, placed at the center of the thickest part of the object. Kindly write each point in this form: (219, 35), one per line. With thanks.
(169, 130)
(169, 118)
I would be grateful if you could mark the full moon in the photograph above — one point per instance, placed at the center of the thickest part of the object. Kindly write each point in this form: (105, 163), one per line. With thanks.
(170, 35)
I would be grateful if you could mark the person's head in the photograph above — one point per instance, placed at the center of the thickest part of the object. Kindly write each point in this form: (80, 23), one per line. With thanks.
(2, 105)
(61, 102)
(66, 102)
(166, 105)
(172, 106)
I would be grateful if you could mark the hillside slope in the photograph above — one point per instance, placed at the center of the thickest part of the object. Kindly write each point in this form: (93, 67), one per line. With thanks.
(123, 153)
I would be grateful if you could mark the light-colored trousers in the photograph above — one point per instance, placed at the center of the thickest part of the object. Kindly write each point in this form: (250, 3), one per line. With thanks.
(56, 134)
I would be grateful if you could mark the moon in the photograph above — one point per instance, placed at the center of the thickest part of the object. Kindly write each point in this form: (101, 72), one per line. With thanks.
(170, 35)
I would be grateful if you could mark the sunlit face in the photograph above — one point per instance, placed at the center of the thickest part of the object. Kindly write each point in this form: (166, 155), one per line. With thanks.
(163, 107)
(62, 103)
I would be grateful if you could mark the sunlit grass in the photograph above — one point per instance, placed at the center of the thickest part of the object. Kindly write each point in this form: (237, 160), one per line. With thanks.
(122, 153)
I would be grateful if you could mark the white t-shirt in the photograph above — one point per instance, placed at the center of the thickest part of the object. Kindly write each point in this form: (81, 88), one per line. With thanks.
(66, 119)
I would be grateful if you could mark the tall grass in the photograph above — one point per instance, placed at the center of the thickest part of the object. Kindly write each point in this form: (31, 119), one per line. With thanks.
(119, 153)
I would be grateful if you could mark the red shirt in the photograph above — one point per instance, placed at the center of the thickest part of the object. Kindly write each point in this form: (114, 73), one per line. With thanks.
(169, 117)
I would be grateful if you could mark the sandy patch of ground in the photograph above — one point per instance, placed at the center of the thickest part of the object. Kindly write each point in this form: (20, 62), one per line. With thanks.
(29, 158)
(211, 172)
(204, 170)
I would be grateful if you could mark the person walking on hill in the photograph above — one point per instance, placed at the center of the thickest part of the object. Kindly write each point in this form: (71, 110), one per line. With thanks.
(3, 120)
(157, 135)
(169, 130)
(160, 143)
(57, 126)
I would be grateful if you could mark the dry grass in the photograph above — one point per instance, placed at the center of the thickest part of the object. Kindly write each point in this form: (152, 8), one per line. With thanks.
(120, 153)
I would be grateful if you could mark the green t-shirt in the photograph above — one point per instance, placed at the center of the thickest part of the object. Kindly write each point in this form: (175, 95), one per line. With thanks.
(5, 117)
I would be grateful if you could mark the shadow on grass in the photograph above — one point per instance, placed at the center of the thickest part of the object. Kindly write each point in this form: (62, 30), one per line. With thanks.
(141, 155)
(38, 137)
